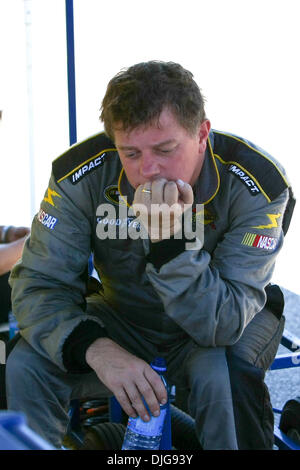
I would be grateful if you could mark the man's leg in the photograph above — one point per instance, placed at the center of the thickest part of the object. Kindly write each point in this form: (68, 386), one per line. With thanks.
(247, 362)
(206, 377)
(227, 393)
(42, 391)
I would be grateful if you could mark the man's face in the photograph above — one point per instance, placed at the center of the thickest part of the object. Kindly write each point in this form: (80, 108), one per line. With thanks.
(164, 151)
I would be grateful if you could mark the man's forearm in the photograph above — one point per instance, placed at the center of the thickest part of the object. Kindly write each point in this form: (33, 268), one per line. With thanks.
(9, 255)
(92, 352)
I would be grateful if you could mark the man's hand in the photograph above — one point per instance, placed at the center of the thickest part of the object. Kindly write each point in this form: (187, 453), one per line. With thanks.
(159, 206)
(128, 377)
(15, 233)
(10, 253)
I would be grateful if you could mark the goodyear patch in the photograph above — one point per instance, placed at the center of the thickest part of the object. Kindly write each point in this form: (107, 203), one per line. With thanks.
(260, 241)
(47, 220)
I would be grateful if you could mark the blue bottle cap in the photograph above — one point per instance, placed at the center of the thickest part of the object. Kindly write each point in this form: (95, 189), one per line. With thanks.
(159, 364)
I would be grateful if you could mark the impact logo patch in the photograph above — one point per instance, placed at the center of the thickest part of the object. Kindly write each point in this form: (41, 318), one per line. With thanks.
(87, 168)
(260, 241)
(46, 219)
(253, 189)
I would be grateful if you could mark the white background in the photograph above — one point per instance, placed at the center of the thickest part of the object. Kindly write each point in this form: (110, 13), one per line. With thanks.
(244, 55)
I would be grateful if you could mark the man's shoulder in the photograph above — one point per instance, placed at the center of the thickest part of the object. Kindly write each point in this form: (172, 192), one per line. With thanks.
(82, 158)
(259, 171)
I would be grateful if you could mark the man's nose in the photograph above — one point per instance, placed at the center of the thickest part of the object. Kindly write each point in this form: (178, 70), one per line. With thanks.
(149, 166)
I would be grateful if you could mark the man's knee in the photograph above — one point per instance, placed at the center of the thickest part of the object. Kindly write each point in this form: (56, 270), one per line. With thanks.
(208, 377)
(259, 343)
(19, 367)
(29, 373)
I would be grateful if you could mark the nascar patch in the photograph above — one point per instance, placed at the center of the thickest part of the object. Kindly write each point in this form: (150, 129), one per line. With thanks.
(260, 241)
(46, 219)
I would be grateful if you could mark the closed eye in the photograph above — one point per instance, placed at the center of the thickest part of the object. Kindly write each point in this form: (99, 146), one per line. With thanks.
(131, 154)
(166, 151)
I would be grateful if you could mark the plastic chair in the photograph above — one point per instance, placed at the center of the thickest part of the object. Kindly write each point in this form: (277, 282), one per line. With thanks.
(284, 361)
(16, 435)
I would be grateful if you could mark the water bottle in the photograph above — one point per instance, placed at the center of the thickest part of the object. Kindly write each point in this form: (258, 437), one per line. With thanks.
(13, 325)
(141, 435)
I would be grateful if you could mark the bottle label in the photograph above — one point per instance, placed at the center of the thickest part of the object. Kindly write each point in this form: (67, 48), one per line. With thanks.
(153, 427)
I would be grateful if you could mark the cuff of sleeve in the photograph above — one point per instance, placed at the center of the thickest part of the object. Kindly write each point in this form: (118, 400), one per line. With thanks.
(164, 251)
(76, 344)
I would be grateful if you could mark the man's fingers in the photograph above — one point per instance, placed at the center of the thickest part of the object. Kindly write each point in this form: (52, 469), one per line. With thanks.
(143, 390)
(152, 204)
(157, 196)
(157, 385)
(150, 390)
(131, 400)
(125, 402)
(185, 192)
(164, 191)
(170, 193)
(138, 194)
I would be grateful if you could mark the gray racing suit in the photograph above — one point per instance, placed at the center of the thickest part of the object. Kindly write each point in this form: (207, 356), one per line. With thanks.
(168, 295)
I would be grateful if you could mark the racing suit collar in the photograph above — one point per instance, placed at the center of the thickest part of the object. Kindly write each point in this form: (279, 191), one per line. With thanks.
(205, 189)
(207, 185)
(125, 188)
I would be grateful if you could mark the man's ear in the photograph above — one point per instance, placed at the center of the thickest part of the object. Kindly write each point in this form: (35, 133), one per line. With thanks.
(203, 134)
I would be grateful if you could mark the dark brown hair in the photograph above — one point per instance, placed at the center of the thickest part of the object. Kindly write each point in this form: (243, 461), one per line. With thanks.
(137, 95)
